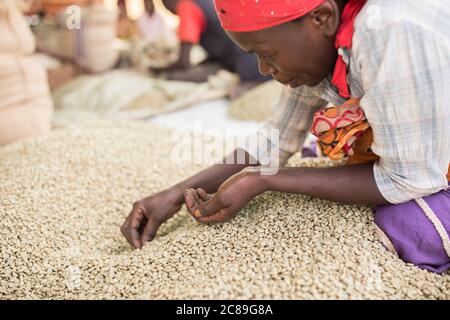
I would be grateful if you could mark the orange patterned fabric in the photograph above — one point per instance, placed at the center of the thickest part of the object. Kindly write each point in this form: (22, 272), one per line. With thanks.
(343, 131)
(338, 127)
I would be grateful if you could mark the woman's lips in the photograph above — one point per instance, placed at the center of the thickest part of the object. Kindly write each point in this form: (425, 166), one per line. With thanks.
(293, 82)
(285, 83)
(297, 82)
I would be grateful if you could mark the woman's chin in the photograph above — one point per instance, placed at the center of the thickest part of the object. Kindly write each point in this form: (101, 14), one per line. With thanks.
(310, 82)
(304, 81)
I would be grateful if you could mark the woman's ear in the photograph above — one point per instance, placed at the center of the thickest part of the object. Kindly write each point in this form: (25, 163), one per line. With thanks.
(326, 17)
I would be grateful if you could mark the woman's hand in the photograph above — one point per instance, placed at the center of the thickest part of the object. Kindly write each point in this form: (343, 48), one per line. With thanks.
(149, 213)
(234, 194)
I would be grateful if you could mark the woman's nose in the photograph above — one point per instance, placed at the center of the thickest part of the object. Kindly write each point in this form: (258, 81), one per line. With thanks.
(265, 68)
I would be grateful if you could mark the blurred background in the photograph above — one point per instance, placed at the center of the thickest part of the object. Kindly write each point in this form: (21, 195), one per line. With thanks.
(164, 62)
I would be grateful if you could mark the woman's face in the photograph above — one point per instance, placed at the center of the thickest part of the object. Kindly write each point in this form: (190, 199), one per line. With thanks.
(295, 53)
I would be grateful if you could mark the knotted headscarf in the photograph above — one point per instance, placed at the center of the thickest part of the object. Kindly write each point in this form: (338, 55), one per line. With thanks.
(254, 15)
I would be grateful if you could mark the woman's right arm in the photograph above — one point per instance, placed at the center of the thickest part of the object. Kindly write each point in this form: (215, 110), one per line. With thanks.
(148, 214)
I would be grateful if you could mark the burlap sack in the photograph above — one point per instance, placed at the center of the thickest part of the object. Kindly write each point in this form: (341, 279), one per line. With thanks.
(25, 104)
(25, 120)
(15, 35)
(96, 39)
(22, 78)
(125, 94)
(26, 107)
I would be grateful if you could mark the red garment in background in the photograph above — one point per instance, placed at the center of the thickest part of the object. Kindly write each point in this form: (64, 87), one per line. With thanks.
(192, 21)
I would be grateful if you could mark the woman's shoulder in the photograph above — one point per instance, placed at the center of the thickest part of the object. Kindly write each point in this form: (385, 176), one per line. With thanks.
(379, 15)
(384, 22)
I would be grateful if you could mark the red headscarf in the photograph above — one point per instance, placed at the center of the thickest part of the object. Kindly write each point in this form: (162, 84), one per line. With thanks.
(254, 15)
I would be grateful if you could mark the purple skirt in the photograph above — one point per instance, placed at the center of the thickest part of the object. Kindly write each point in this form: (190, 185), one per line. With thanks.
(418, 231)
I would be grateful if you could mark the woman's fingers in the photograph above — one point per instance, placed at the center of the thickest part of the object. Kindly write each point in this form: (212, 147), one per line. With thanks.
(204, 207)
(195, 197)
(208, 208)
(203, 195)
(135, 223)
(129, 234)
(189, 199)
(131, 226)
(150, 230)
(124, 229)
(220, 216)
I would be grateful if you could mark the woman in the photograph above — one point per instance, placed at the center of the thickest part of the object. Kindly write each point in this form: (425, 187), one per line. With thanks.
(385, 67)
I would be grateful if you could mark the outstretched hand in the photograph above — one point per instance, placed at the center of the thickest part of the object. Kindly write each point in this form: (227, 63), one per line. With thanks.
(148, 214)
(233, 195)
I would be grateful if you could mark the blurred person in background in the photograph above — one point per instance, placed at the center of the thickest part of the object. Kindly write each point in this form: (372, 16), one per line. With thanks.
(199, 25)
(125, 27)
(151, 25)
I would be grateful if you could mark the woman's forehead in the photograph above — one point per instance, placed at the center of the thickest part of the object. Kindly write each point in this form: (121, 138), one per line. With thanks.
(253, 41)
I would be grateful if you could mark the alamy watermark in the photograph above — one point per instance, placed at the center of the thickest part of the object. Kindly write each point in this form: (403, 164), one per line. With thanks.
(73, 17)
(373, 21)
(211, 146)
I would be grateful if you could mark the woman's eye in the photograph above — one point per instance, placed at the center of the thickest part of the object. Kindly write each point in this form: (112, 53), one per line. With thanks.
(263, 57)
(269, 57)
